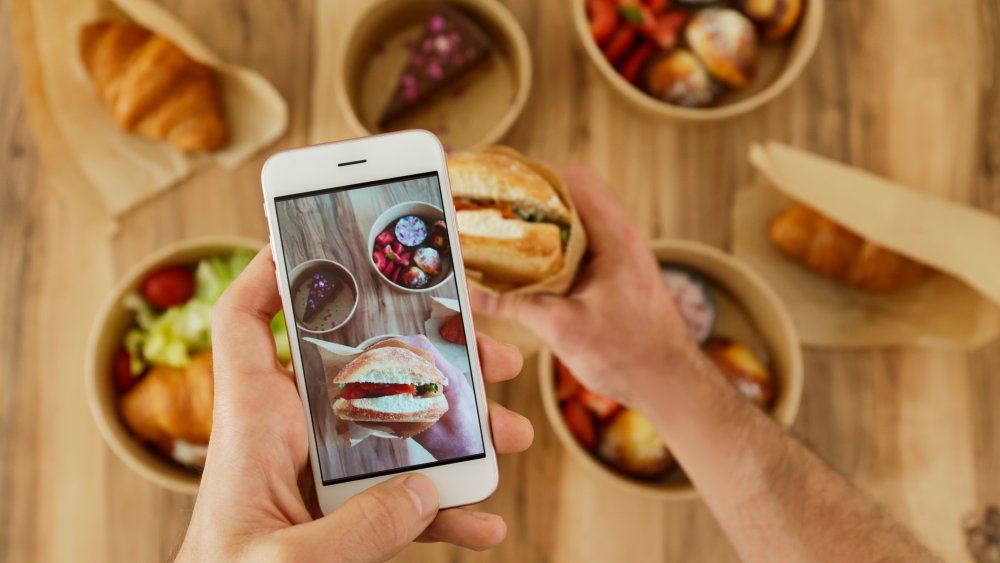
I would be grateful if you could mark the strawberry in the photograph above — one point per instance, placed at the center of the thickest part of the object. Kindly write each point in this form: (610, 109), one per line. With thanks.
(603, 19)
(384, 238)
(620, 44)
(603, 407)
(453, 331)
(568, 386)
(636, 61)
(169, 286)
(666, 29)
(658, 6)
(580, 423)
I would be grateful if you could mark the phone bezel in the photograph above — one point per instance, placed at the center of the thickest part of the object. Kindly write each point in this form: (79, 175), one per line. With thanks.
(391, 155)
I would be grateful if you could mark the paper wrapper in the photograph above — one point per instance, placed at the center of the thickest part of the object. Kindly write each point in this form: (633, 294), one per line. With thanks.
(457, 355)
(562, 281)
(957, 307)
(126, 168)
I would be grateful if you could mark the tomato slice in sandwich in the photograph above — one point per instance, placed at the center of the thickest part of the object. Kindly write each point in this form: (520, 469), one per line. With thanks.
(371, 390)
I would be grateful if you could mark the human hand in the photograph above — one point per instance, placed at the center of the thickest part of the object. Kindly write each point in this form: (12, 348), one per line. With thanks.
(618, 330)
(250, 506)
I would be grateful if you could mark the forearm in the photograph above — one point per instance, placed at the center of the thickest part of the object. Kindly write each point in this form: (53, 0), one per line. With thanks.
(775, 499)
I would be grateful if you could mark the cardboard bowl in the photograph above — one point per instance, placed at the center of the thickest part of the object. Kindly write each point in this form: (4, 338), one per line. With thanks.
(474, 112)
(345, 274)
(112, 322)
(778, 65)
(769, 320)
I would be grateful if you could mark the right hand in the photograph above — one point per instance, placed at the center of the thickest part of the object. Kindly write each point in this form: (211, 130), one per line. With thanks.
(618, 330)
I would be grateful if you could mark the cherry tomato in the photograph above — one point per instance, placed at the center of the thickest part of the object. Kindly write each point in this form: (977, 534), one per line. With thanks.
(169, 286)
(122, 367)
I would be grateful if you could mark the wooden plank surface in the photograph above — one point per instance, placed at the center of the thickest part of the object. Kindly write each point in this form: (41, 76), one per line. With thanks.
(910, 90)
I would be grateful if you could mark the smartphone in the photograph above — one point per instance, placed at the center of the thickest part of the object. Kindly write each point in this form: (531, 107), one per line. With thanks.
(369, 268)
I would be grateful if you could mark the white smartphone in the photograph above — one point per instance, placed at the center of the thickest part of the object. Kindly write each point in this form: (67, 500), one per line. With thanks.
(369, 268)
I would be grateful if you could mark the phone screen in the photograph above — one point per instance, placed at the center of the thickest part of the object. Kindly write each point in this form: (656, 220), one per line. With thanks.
(379, 329)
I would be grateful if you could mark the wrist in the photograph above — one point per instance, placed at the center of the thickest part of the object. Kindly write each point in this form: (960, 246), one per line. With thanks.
(673, 385)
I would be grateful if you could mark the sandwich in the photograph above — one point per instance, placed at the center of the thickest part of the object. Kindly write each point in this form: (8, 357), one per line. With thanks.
(513, 226)
(392, 387)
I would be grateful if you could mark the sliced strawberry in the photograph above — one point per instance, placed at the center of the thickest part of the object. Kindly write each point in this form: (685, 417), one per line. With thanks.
(397, 247)
(384, 238)
(620, 44)
(636, 60)
(658, 6)
(666, 29)
(390, 269)
(603, 407)
(379, 258)
(404, 258)
(567, 386)
(580, 423)
(603, 20)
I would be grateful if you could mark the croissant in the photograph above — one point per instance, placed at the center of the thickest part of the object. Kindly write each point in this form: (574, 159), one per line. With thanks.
(152, 87)
(833, 251)
(172, 404)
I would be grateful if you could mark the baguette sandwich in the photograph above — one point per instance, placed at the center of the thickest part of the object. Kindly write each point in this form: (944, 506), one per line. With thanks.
(392, 387)
(513, 226)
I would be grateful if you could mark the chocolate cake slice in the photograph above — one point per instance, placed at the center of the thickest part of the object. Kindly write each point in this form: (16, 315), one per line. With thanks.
(323, 289)
(451, 45)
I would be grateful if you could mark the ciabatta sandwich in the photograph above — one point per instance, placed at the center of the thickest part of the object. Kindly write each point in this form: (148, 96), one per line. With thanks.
(512, 224)
(392, 387)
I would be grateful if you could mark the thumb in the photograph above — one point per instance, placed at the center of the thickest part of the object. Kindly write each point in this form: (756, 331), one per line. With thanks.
(374, 525)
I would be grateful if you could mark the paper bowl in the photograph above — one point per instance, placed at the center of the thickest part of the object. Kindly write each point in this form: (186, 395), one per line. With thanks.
(346, 274)
(401, 210)
(778, 65)
(474, 112)
(772, 324)
(105, 339)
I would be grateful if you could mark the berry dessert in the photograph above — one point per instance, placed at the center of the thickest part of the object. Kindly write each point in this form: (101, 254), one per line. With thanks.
(451, 45)
(411, 255)
(321, 290)
(321, 297)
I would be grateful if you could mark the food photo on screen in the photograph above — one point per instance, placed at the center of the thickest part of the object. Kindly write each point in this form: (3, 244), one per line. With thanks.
(379, 328)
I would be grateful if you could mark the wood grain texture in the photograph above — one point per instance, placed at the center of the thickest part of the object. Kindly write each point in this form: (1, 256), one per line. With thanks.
(910, 90)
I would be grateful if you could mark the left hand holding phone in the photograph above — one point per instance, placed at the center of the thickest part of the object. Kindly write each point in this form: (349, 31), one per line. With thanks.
(251, 505)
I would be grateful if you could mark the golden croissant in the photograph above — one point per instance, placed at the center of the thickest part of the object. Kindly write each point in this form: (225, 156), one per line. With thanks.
(171, 404)
(152, 87)
(836, 252)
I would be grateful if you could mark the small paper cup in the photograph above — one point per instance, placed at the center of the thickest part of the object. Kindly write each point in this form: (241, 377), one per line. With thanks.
(372, 53)
(401, 210)
(303, 268)
(772, 323)
(113, 320)
(778, 65)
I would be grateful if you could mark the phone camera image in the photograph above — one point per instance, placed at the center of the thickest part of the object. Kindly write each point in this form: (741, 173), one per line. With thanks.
(380, 334)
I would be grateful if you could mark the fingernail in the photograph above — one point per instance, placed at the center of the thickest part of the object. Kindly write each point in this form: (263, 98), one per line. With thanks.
(424, 493)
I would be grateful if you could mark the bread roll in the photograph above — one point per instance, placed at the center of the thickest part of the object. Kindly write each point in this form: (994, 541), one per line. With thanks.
(494, 177)
(509, 250)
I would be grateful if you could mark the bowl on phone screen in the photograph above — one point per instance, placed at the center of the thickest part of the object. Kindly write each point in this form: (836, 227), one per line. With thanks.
(324, 295)
(408, 247)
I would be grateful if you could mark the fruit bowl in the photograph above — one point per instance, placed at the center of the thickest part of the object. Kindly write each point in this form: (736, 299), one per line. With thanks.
(397, 262)
(748, 310)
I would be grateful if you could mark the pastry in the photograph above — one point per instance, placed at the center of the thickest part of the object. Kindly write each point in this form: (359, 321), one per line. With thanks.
(775, 18)
(831, 250)
(743, 369)
(452, 44)
(680, 78)
(726, 41)
(170, 404)
(152, 87)
(630, 444)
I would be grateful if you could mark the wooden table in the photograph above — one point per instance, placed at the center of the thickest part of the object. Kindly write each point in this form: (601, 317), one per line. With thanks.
(910, 90)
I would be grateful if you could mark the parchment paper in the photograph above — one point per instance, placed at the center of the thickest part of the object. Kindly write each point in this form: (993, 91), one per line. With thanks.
(562, 281)
(126, 168)
(956, 307)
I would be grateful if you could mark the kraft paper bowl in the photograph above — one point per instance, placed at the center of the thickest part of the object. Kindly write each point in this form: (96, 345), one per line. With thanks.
(771, 323)
(475, 112)
(779, 65)
(113, 320)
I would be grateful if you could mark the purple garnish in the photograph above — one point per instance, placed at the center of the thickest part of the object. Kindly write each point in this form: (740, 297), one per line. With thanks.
(435, 23)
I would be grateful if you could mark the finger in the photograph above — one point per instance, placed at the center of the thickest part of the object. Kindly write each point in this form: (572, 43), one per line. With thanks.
(466, 528)
(512, 432)
(241, 318)
(374, 525)
(501, 361)
(541, 312)
(599, 209)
